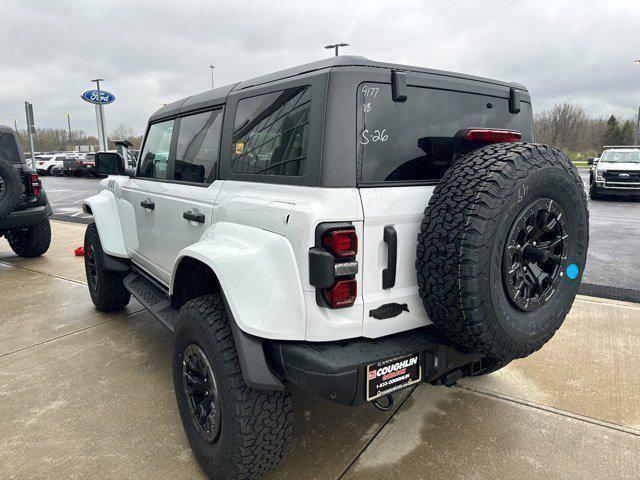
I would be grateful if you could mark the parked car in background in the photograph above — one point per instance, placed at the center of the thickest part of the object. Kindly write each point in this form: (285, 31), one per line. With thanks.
(80, 165)
(616, 172)
(46, 163)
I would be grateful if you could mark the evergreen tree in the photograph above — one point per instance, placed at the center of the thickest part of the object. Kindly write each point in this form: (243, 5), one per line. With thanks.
(628, 131)
(613, 132)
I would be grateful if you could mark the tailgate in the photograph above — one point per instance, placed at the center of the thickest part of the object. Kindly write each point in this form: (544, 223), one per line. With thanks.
(401, 209)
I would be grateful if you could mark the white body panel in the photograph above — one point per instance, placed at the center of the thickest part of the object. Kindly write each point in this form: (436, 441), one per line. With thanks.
(104, 208)
(402, 208)
(259, 276)
(256, 239)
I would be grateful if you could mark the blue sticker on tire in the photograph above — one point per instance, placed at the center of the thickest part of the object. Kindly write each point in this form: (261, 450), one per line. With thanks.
(573, 271)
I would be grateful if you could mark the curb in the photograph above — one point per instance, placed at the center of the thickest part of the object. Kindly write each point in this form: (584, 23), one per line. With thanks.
(612, 293)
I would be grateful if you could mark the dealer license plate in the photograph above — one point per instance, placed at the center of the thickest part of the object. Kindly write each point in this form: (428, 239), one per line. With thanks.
(391, 375)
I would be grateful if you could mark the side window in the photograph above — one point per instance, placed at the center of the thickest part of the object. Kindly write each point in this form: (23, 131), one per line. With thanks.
(8, 148)
(271, 133)
(155, 154)
(198, 146)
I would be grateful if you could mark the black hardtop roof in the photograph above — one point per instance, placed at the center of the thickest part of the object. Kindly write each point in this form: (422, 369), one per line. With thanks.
(219, 94)
(6, 129)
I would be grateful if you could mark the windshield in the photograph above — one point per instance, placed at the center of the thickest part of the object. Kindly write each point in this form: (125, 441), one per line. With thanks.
(616, 156)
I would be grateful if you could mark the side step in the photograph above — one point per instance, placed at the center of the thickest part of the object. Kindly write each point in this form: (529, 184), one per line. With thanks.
(152, 297)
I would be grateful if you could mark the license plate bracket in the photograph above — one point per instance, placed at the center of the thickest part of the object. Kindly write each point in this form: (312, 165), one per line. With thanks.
(394, 374)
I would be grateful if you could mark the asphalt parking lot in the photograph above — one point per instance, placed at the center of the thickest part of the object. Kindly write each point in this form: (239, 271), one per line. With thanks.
(613, 261)
(90, 395)
(66, 195)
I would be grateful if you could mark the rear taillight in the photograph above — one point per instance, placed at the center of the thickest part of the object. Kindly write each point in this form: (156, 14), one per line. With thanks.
(342, 294)
(40, 163)
(489, 135)
(78, 163)
(333, 266)
(36, 185)
(342, 243)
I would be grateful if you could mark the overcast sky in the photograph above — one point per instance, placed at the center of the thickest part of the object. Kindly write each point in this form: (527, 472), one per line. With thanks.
(155, 52)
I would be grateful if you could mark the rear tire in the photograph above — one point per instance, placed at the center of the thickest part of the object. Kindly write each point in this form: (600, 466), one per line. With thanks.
(32, 241)
(484, 280)
(243, 433)
(106, 288)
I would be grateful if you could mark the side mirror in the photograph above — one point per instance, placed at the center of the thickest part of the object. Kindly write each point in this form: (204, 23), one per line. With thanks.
(590, 161)
(109, 163)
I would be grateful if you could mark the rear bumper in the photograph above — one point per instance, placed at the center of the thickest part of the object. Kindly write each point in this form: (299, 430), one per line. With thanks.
(25, 218)
(337, 370)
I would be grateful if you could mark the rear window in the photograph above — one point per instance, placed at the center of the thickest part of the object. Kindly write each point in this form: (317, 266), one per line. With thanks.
(412, 141)
(9, 148)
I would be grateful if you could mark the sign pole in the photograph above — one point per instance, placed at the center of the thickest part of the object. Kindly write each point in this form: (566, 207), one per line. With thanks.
(30, 128)
(99, 98)
(102, 136)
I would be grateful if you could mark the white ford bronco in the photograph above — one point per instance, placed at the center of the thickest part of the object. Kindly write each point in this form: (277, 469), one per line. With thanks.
(348, 226)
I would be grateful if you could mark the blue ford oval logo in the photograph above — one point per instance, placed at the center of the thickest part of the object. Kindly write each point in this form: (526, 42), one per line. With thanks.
(98, 97)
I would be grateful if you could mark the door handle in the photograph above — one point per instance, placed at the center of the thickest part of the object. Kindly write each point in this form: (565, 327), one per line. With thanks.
(390, 237)
(193, 216)
(148, 204)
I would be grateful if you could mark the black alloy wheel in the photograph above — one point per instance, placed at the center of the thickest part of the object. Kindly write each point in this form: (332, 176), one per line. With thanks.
(535, 251)
(92, 269)
(201, 391)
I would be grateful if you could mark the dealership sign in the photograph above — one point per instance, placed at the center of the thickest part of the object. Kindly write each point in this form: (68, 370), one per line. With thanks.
(99, 97)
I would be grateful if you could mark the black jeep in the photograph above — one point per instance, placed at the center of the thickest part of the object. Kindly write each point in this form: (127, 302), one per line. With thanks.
(24, 209)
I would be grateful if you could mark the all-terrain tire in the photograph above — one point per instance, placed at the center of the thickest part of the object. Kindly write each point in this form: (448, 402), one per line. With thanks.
(32, 241)
(462, 247)
(10, 187)
(256, 425)
(105, 287)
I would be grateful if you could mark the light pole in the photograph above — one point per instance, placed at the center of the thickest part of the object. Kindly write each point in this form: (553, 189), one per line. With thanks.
(102, 135)
(68, 115)
(336, 46)
(212, 67)
(635, 137)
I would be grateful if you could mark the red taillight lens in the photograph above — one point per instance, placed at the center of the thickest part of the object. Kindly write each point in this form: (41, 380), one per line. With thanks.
(342, 243)
(342, 294)
(40, 163)
(487, 135)
(35, 184)
(78, 163)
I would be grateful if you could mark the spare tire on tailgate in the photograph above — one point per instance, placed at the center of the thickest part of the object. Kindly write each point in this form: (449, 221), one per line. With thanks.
(502, 248)
(10, 187)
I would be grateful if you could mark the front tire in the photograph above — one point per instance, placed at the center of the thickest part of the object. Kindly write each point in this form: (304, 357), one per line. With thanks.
(235, 432)
(106, 288)
(32, 241)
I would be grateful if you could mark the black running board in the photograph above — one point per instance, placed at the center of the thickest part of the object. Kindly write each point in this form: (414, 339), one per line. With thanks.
(152, 297)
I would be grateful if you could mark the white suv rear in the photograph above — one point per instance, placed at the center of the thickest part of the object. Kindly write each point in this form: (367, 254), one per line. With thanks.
(349, 226)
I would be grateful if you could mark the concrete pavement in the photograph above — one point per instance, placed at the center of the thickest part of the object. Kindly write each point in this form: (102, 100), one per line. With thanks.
(90, 395)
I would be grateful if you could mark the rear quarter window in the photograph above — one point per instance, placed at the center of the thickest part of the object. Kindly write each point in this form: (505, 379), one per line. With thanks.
(9, 148)
(412, 141)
